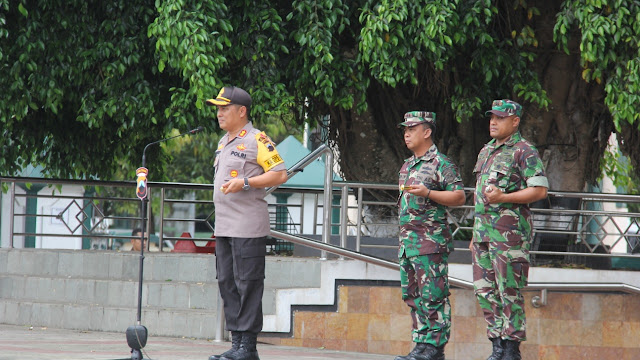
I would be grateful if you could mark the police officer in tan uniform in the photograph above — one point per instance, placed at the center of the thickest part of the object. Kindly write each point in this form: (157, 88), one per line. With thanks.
(246, 162)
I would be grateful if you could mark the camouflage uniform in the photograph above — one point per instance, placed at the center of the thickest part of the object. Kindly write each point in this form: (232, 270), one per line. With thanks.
(425, 243)
(502, 234)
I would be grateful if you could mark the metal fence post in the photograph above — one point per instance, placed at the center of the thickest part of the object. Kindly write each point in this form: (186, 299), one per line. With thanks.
(344, 219)
(326, 206)
(161, 232)
(11, 211)
(359, 220)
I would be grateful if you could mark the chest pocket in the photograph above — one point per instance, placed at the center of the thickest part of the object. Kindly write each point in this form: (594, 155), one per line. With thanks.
(501, 176)
(482, 159)
(231, 169)
(478, 167)
(477, 171)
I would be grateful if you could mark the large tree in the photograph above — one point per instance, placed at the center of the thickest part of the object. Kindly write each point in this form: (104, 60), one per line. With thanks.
(81, 86)
(89, 83)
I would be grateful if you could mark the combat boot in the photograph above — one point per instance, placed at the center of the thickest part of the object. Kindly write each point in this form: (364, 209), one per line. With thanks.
(430, 353)
(511, 350)
(236, 338)
(420, 347)
(498, 349)
(247, 349)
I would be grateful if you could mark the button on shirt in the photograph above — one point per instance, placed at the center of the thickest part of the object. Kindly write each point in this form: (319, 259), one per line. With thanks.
(510, 167)
(244, 213)
(424, 228)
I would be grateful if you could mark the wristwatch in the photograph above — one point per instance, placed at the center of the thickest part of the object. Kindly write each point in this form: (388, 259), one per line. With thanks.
(246, 184)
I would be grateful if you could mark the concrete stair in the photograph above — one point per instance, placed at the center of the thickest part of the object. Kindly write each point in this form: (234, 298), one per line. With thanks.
(98, 290)
(325, 294)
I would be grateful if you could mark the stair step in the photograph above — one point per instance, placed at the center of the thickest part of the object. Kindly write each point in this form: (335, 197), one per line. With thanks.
(94, 317)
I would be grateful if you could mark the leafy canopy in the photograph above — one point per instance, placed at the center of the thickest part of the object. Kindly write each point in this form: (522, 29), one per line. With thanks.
(609, 46)
(88, 84)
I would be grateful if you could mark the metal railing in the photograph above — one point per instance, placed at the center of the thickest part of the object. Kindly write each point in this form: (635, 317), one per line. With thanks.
(537, 301)
(591, 221)
(594, 227)
(585, 220)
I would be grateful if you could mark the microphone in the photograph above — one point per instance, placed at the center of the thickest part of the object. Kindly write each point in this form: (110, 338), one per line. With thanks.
(190, 132)
(196, 130)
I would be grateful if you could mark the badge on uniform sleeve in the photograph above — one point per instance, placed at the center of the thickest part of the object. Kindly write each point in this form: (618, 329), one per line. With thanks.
(267, 156)
(272, 161)
(266, 140)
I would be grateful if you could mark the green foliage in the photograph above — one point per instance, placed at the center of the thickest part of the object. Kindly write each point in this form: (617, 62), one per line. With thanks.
(325, 70)
(190, 40)
(87, 85)
(397, 35)
(619, 170)
(191, 158)
(609, 47)
(465, 38)
(4, 7)
(79, 87)
(209, 44)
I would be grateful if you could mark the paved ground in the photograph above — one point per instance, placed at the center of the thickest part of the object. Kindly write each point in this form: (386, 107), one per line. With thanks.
(20, 342)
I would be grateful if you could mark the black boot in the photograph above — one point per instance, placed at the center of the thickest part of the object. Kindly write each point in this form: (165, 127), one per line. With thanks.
(430, 353)
(247, 349)
(236, 338)
(498, 349)
(416, 350)
(512, 350)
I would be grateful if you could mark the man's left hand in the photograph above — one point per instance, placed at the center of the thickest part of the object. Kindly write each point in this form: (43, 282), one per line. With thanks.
(493, 194)
(232, 186)
(417, 189)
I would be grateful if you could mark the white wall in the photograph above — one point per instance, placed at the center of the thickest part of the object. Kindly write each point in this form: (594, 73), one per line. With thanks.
(307, 212)
(616, 225)
(310, 206)
(72, 216)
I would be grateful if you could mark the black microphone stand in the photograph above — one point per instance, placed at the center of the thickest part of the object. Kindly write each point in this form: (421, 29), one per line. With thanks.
(137, 334)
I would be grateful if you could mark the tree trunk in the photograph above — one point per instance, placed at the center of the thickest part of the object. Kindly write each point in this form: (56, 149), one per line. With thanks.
(570, 135)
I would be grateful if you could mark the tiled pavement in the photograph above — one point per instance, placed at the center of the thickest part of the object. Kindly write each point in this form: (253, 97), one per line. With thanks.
(23, 342)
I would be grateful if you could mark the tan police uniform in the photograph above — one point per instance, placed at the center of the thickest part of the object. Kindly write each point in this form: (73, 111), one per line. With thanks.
(251, 153)
(241, 226)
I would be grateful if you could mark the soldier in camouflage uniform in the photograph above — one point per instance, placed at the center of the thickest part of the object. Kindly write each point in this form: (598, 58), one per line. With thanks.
(509, 175)
(429, 181)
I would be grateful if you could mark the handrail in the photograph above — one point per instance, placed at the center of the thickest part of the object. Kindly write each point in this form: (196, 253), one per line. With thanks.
(328, 187)
(536, 301)
(337, 250)
(545, 287)
(575, 286)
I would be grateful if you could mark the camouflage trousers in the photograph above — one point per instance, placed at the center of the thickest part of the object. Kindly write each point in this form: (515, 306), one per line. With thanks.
(425, 289)
(499, 272)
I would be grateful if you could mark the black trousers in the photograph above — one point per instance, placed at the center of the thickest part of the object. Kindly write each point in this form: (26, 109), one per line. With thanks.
(240, 264)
